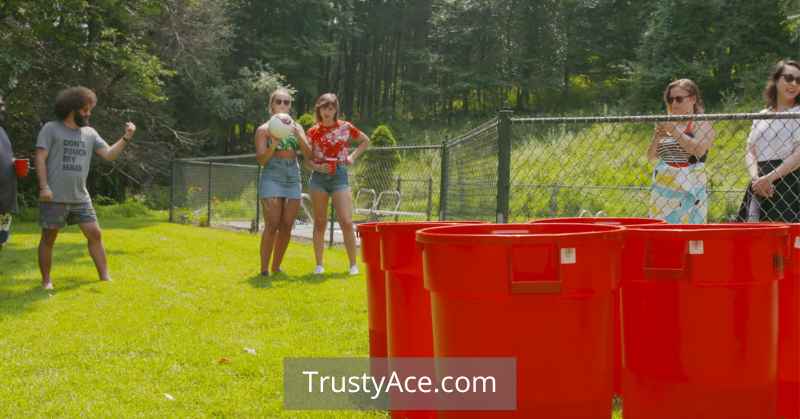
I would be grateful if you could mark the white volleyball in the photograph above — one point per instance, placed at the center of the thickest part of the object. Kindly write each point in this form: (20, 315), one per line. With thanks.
(280, 125)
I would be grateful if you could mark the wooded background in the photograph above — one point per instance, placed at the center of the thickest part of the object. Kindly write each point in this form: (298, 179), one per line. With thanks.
(194, 74)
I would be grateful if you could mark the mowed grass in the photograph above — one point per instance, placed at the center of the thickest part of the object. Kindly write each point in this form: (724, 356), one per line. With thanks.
(184, 304)
(167, 337)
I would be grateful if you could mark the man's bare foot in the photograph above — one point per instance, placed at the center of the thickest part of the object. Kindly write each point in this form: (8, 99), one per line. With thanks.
(106, 279)
(47, 285)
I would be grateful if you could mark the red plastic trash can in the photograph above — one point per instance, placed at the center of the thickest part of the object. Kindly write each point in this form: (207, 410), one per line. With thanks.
(408, 306)
(622, 221)
(699, 321)
(376, 291)
(616, 313)
(789, 331)
(538, 292)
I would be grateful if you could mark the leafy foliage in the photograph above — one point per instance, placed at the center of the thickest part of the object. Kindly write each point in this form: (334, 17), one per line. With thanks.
(194, 75)
(376, 169)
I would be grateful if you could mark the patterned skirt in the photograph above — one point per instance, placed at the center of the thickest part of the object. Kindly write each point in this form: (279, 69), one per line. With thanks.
(679, 195)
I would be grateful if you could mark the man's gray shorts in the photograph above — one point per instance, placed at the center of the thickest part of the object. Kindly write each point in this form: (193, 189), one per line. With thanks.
(54, 215)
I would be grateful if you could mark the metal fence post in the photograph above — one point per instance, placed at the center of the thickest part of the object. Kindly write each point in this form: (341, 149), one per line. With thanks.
(503, 164)
(554, 201)
(443, 183)
(172, 191)
(210, 167)
(430, 197)
(396, 217)
(333, 215)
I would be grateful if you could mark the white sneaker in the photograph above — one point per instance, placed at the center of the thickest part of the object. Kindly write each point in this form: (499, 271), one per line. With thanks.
(319, 270)
(354, 270)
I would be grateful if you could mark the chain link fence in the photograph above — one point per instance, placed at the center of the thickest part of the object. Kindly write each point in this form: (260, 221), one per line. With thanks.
(513, 169)
(577, 166)
(215, 191)
(470, 174)
(388, 183)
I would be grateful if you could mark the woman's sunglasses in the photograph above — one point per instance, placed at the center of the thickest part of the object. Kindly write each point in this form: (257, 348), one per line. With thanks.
(791, 78)
(677, 99)
(286, 102)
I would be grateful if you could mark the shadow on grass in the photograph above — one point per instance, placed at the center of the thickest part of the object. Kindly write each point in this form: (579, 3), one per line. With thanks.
(14, 302)
(19, 289)
(261, 282)
(106, 223)
(258, 281)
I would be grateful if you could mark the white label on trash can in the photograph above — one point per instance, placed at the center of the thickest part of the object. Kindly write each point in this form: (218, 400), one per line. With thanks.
(797, 242)
(567, 255)
(695, 247)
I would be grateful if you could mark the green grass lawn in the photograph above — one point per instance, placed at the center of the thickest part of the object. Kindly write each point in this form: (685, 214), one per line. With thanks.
(183, 299)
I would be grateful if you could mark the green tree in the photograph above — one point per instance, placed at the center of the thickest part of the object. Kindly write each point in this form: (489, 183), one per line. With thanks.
(718, 44)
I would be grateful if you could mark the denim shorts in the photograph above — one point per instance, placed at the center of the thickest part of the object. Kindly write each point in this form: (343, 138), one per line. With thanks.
(324, 182)
(53, 215)
(280, 178)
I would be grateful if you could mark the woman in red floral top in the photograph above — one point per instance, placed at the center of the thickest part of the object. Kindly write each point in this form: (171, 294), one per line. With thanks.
(330, 155)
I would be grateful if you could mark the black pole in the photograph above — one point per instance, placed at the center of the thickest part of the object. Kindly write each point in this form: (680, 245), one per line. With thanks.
(503, 164)
(443, 183)
(330, 242)
(430, 197)
(172, 191)
(210, 167)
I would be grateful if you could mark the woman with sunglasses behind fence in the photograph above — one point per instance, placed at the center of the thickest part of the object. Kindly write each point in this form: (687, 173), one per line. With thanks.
(679, 194)
(773, 153)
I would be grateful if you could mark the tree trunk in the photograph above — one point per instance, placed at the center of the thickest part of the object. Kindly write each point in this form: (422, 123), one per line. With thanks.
(349, 69)
(395, 76)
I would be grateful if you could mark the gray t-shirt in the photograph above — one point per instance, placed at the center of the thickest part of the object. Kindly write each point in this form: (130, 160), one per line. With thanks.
(8, 177)
(69, 155)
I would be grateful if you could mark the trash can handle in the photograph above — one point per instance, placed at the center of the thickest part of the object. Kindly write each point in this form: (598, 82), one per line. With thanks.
(681, 272)
(548, 286)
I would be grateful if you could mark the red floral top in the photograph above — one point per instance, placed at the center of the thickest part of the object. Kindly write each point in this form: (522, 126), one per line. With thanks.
(332, 141)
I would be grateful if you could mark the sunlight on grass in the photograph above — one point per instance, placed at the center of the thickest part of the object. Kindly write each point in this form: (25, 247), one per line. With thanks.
(182, 299)
(186, 329)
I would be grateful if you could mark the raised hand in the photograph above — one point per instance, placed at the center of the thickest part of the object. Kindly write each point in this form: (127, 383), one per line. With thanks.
(130, 129)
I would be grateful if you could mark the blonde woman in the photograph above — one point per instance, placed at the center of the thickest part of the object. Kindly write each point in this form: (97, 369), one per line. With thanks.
(279, 187)
(679, 194)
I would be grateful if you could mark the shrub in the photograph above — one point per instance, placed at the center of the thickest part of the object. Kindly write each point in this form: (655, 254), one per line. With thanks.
(128, 209)
(306, 120)
(377, 168)
(103, 200)
(156, 197)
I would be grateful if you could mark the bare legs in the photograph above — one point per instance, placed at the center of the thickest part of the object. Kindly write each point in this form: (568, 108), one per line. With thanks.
(46, 243)
(288, 215)
(343, 204)
(319, 203)
(95, 243)
(279, 216)
(94, 240)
